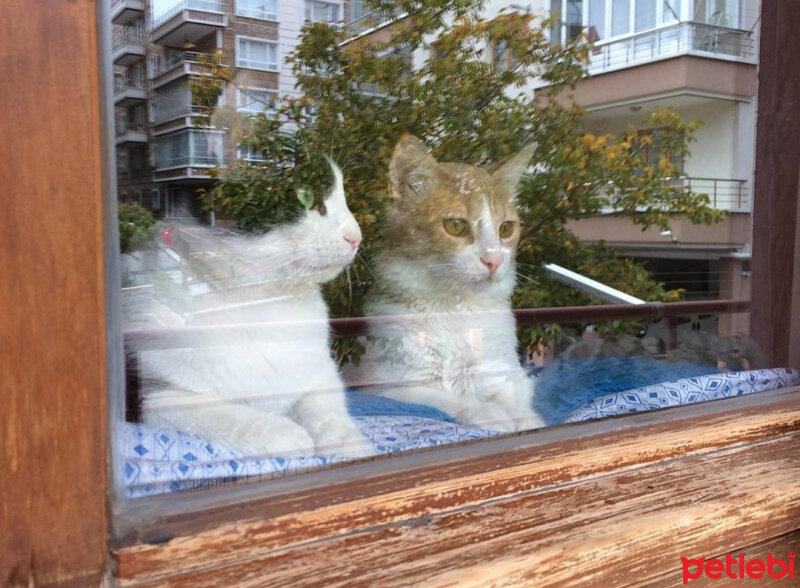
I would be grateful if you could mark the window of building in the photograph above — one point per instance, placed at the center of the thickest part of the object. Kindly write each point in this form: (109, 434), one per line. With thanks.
(256, 100)
(137, 159)
(261, 9)
(256, 54)
(249, 153)
(321, 11)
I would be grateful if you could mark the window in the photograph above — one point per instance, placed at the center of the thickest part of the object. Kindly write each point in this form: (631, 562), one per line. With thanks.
(262, 9)
(249, 153)
(434, 516)
(256, 54)
(122, 160)
(137, 161)
(321, 11)
(256, 100)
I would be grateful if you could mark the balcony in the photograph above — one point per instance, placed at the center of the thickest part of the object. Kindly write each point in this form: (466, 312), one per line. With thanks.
(128, 133)
(124, 11)
(188, 22)
(128, 92)
(186, 63)
(723, 194)
(179, 117)
(188, 155)
(372, 21)
(127, 45)
(731, 195)
(684, 38)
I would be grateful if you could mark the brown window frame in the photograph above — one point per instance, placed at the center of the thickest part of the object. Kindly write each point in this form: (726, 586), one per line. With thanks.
(610, 501)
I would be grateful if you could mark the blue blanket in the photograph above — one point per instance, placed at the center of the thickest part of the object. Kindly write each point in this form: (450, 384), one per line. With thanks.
(568, 383)
(158, 459)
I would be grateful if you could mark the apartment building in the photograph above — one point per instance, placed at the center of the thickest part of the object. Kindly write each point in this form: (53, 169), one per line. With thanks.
(697, 57)
(165, 150)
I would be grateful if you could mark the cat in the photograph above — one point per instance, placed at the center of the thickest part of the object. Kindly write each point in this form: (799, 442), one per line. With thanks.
(448, 256)
(261, 389)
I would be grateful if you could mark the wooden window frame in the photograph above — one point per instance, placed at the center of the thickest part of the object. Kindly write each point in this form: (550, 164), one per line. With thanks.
(618, 500)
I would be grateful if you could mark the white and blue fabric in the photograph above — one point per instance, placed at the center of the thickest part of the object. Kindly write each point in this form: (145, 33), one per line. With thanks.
(157, 460)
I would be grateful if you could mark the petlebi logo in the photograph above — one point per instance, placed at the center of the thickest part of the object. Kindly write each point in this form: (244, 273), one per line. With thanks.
(738, 567)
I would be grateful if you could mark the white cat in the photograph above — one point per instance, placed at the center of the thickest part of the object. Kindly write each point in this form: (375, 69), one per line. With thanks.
(261, 388)
(448, 257)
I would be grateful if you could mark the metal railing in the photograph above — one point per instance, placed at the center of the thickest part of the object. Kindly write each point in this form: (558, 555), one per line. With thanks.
(122, 128)
(723, 194)
(178, 59)
(372, 20)
(200, 5)
(178, 112)
(123, 83)
(670, 41)
(126, 35)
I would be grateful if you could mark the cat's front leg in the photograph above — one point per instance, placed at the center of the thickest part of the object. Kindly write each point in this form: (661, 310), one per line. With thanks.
(511, 388)
(323, 413)
(242, 428)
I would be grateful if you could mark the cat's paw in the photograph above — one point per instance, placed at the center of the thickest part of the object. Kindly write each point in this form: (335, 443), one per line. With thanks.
(272, 436)
(528, 421)
(487, 415)
(342, 439)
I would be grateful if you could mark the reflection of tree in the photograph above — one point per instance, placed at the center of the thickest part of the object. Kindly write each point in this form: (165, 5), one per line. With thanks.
(468, 111)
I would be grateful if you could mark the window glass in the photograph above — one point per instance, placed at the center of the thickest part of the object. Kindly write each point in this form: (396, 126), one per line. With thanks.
(361, 235)
(645, 15)
(620, 17)
(597, 20)
(257, 54)
(264, 9)
(320, 11)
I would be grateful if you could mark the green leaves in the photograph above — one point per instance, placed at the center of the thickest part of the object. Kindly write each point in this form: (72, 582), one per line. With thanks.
(435, 75)
(136, 227)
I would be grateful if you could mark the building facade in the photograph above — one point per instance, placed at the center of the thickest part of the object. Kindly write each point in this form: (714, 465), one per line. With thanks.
(166, 146)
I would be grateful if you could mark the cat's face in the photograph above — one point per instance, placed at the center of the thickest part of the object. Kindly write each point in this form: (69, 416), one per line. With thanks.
(316, 247)
(457, 222)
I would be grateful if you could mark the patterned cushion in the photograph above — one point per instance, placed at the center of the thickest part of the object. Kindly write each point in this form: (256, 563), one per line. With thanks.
(158, 460)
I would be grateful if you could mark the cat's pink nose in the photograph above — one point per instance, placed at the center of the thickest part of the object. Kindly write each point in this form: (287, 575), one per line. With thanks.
(492, 262)
(354, 241)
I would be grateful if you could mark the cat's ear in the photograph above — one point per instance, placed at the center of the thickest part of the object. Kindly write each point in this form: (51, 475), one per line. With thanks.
(411, 164)
(510, 172)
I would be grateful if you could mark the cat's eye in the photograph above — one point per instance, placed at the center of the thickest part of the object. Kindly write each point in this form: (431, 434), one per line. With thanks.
(506, 229)
(457, 227)
(320, 208)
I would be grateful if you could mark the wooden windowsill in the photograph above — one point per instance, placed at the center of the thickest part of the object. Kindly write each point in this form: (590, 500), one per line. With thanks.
(570, 503)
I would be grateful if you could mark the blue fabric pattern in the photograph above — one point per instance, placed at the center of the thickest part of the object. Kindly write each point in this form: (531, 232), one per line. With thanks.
(568, 383)
(685, 391)
(159, 460)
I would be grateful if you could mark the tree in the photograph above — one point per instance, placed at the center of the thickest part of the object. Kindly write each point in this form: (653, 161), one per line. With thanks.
(360, 96)
(136, 227)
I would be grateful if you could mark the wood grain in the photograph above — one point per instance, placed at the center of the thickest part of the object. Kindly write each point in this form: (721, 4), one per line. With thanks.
(414, 488)
(53, 515)
(777, 546)
(775, 320)
(608, 530)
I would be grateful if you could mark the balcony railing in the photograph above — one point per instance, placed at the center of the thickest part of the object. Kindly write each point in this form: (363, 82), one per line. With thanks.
(671, 41)
(177, 60)
(178, 112)
(126, 36)
(372, 20)
(123, 128)
(199, 5)
(723, 194)
(121, 84)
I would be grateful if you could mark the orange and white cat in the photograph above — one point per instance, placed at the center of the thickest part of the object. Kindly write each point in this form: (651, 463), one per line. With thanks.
(448, 254)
